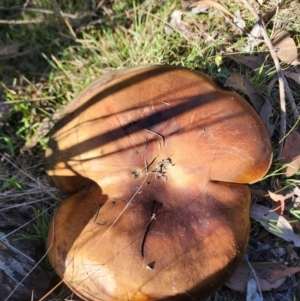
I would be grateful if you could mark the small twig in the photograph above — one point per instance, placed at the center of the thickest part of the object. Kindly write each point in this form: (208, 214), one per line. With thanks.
(145, 169)
(5, 158)
(26, 3)
(52, 290)
(100, 3)
(64, 19)
(34, 267)
(33, 100)
(157, 134)
(121, 213)
(12, 197)
(25, 224)
(148, 227)
(280, 75)
(255, 276)
(291, 99)
(42, 11)
(68, 24)
(15, 249)
(17, 22)
(275, 20)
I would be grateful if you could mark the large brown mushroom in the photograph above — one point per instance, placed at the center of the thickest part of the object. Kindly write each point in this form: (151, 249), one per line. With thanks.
(159, 158)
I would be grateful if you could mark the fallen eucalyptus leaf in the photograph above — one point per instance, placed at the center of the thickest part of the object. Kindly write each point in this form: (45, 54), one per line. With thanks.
(238, 82)
(174, 22)
(274, 223)
(294, 76)
(291, 153)
(286, 47)
(210, 38)
(281, 272)
(280, 198)
(198, 7)
(253, 37)
(270, 275)
(256, 31)
(266, 114)
(202, 6)
(263, 107)
(255, 63)
(238, 20)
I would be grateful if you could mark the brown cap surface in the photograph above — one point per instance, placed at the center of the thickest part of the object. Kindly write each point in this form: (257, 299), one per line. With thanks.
(168, 152)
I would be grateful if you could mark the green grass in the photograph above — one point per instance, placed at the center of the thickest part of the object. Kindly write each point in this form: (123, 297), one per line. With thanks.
(60, 55)
(40, 226)
(60, 66)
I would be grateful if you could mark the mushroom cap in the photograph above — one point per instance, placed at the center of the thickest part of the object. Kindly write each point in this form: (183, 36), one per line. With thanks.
(160, 157)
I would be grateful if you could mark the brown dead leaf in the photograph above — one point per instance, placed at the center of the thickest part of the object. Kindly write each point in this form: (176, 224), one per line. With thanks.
(175, 22)
(252, 62)
(266, 114)
(270, 275)
(264, 108)
(201, 6)
(294, 76)
(286, 47)
(291, 153)
(238, 82)
(253, 38)
(281, 272)
(280, 198)
(238, 20)
(198, 7)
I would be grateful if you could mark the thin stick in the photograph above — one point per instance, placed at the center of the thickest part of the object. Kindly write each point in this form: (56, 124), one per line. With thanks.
(42, 11)
(157, 134)
(64, 19)
(255, 276)
(54, 288)
(18, 22)
(120, 214)
(148, 227)
(15, 249)
(27, 223)
(33, 268)
(291, 99)
(26, 3)
(279, 74)
(100, 3)
(275, 19)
